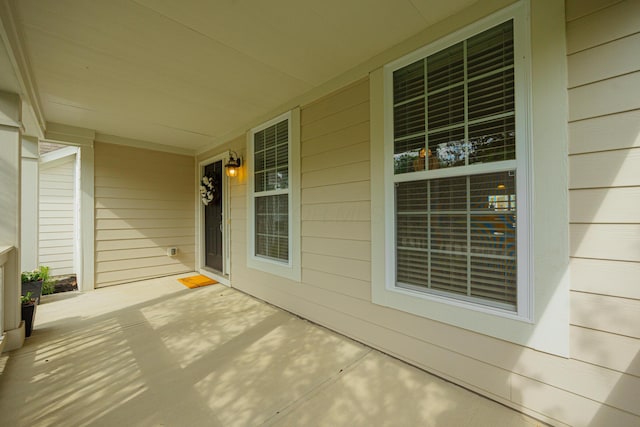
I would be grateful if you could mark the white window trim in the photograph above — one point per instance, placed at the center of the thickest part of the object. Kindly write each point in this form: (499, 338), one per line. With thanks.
(290, 269)
(530, 325)
(521, 164)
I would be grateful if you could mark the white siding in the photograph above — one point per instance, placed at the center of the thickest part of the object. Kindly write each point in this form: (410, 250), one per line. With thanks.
(57, 215)
(144, 203)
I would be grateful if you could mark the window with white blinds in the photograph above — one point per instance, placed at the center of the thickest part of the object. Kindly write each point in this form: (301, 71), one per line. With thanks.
(456, 107)
(271, 191)
(455, 171)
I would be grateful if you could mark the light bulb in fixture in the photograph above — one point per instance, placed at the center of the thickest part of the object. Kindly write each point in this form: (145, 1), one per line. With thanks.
(233, 165)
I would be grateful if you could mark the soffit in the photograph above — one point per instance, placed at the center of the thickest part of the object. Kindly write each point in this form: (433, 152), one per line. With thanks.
(8, 80)
(184, 73)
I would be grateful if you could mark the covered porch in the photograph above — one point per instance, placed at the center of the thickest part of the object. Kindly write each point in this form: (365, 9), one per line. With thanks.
(154, 352)
(512, 135)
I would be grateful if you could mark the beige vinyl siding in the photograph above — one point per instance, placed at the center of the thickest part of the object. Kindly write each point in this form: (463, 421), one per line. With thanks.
(336, 226)
(144, 204)
(57, 215)
(604, 194)
(600, 382)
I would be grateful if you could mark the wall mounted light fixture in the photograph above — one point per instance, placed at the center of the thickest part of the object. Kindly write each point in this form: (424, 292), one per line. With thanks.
(233, 164)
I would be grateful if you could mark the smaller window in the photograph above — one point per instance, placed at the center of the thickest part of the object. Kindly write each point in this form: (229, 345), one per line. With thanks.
(271, 191)
(273, 244)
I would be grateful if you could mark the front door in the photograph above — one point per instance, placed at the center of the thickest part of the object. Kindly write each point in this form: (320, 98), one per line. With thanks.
(213, 219)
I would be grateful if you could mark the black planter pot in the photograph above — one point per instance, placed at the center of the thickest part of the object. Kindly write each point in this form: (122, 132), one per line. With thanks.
(28, 315)
(34, 287)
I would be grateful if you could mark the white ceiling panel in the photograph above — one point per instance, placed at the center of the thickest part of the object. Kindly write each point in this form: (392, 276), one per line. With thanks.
(185, 73)
(433, 12)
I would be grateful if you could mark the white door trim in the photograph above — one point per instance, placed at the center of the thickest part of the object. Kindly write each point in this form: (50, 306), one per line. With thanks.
(225, 277)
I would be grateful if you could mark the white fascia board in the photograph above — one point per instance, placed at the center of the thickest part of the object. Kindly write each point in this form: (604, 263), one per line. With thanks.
(69, 135)
(58, 154)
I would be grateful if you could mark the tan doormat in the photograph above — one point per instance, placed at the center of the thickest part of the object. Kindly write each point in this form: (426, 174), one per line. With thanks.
(197, 281)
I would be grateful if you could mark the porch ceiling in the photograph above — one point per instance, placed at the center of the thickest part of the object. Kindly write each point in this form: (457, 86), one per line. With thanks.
(187, 73)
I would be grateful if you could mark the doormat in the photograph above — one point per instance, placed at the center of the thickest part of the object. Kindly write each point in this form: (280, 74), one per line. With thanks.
(197, 281)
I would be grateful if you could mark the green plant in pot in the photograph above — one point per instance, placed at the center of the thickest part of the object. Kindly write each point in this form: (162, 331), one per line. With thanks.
(28, 306)
(38, 282)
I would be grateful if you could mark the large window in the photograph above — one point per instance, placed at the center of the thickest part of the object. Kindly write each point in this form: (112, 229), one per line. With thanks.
(454, 123)
(273, 222)
(466, 133)
(457, 162)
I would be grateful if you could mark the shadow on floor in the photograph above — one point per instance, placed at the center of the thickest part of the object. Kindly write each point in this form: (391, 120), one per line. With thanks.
(214, 356)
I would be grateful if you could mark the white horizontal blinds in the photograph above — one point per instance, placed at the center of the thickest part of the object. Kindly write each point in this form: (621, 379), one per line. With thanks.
(449, 231)
(491, 98)
(492, 237)
(408, 117)
(272, 226)
(271, 158)
(271, 183)
(412, 233)
(446, 107)
(456, 107)
(456, 236)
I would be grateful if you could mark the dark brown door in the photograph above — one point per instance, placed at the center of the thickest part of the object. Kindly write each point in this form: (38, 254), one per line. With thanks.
(213, 219)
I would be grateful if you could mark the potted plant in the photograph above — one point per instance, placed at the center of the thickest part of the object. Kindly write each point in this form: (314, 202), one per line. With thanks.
(28, 312)
(38, 282)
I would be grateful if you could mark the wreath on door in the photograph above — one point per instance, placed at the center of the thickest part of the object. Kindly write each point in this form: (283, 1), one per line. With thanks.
(209, 190)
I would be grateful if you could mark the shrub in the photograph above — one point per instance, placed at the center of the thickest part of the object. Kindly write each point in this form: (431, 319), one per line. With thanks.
(26, 299)
(40, 273)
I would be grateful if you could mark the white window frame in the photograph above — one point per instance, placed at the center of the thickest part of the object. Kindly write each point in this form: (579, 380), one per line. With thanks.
(291, 268)
(520, 164)
(544, 325)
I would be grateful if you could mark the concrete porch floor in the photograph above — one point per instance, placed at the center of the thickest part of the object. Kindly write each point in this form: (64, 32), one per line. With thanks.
(156, 353)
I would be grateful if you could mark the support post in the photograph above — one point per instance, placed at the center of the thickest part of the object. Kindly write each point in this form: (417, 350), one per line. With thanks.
(86, 273)
(10, 203)
(29, 243)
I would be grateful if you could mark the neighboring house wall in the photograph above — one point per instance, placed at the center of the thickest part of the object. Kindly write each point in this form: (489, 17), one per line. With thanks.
(598, 384)
(144, 203)
(57, 215)
(603, 46)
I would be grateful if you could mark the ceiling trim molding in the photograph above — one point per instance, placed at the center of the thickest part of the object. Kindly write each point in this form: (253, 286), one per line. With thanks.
(70, 135)
(12, 38)
(83, 137)
(146, 145)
